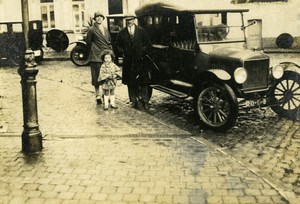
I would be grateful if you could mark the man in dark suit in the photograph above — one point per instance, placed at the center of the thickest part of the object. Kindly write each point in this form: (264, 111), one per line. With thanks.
(98, 39)
(133, 42)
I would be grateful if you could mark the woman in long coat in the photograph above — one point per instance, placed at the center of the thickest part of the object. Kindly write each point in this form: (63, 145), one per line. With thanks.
(134, 46)
(98, 39)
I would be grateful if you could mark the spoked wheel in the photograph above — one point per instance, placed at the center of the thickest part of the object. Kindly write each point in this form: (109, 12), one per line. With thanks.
(149, 92)
(286, 92)
(217, 107)
(80, 56)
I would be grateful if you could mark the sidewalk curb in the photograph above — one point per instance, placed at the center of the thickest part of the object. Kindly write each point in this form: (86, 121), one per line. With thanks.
(281, 50)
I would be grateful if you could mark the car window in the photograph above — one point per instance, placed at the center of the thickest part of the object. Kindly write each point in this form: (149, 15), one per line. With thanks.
(219, 27)
(116, 24)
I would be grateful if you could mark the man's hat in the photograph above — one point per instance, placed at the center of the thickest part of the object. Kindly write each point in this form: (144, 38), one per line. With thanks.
(98, 13)
(129, 16)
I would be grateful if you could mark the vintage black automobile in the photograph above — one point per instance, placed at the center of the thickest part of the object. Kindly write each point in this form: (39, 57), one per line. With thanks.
(12, 41)
(202, 53)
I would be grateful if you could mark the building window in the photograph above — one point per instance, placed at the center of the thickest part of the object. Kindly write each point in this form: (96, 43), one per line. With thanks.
(256, 1)
(47, 14)
(78, 8)
(115, 6)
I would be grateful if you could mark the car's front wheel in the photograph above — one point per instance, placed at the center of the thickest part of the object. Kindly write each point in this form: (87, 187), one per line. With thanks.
(217, 107)
(79, 55)
(286, 92)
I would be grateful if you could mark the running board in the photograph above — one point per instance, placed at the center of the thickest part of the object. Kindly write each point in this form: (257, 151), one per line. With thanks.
(169, 91)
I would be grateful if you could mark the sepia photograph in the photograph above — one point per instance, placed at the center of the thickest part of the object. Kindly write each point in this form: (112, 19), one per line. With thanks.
(149, 101)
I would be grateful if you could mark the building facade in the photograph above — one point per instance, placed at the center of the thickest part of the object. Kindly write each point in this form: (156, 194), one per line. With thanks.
(278, 16)
(66, 15)
(71, 16)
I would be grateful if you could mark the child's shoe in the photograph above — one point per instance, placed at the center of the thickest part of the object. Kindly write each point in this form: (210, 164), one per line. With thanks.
(112, 102)
(114, 106)
(105, 102)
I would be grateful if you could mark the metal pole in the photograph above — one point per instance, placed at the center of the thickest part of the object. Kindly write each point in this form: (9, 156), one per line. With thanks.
(31, 136)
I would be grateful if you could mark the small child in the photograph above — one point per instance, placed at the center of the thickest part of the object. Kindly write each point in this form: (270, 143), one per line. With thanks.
(109, 72)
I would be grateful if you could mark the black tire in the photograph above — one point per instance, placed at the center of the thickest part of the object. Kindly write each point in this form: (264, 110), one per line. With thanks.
(150, 91)
(217, 107)
(287, 92)
(79, 55)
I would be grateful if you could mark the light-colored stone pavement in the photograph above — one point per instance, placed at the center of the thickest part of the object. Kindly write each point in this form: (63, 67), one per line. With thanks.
(122, 156)
(127, 170)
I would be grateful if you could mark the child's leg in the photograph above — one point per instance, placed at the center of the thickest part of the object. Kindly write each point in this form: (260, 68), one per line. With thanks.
(112, 99)
(106, 96)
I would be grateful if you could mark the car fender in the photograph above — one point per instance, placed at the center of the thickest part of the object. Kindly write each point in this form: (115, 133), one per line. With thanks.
(79, 43)
(290, 66)
(221, 74)
(212, 75)
(287, 67)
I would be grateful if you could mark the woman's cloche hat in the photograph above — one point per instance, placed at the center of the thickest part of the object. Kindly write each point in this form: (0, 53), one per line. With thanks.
(98, 13)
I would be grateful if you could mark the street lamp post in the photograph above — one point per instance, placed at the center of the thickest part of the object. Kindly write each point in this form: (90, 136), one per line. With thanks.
(31, 136)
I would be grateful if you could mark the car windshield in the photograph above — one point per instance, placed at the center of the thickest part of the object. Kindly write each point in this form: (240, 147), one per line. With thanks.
(219, 27)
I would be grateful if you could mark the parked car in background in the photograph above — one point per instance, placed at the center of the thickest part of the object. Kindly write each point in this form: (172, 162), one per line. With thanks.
(202, 53)
(12, 41)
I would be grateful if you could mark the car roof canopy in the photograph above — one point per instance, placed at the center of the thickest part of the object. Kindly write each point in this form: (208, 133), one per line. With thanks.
(197, 7)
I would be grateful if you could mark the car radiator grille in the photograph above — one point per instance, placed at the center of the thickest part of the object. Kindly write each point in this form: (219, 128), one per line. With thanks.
(258, 72)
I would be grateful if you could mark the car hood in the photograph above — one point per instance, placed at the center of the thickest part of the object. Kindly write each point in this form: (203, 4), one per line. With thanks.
(237, 54)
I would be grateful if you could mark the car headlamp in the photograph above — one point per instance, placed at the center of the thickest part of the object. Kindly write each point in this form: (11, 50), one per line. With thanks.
(240, 75)
(277, 71)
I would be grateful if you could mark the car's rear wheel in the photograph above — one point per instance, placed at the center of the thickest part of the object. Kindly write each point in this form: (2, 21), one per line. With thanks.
(286, 92)
(217, 107)
(150, 90)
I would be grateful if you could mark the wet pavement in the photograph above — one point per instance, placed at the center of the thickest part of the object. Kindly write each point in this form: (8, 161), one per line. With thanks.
(129, 156)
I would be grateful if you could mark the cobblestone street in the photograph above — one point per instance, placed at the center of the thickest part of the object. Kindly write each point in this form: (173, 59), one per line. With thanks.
(130, 156)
